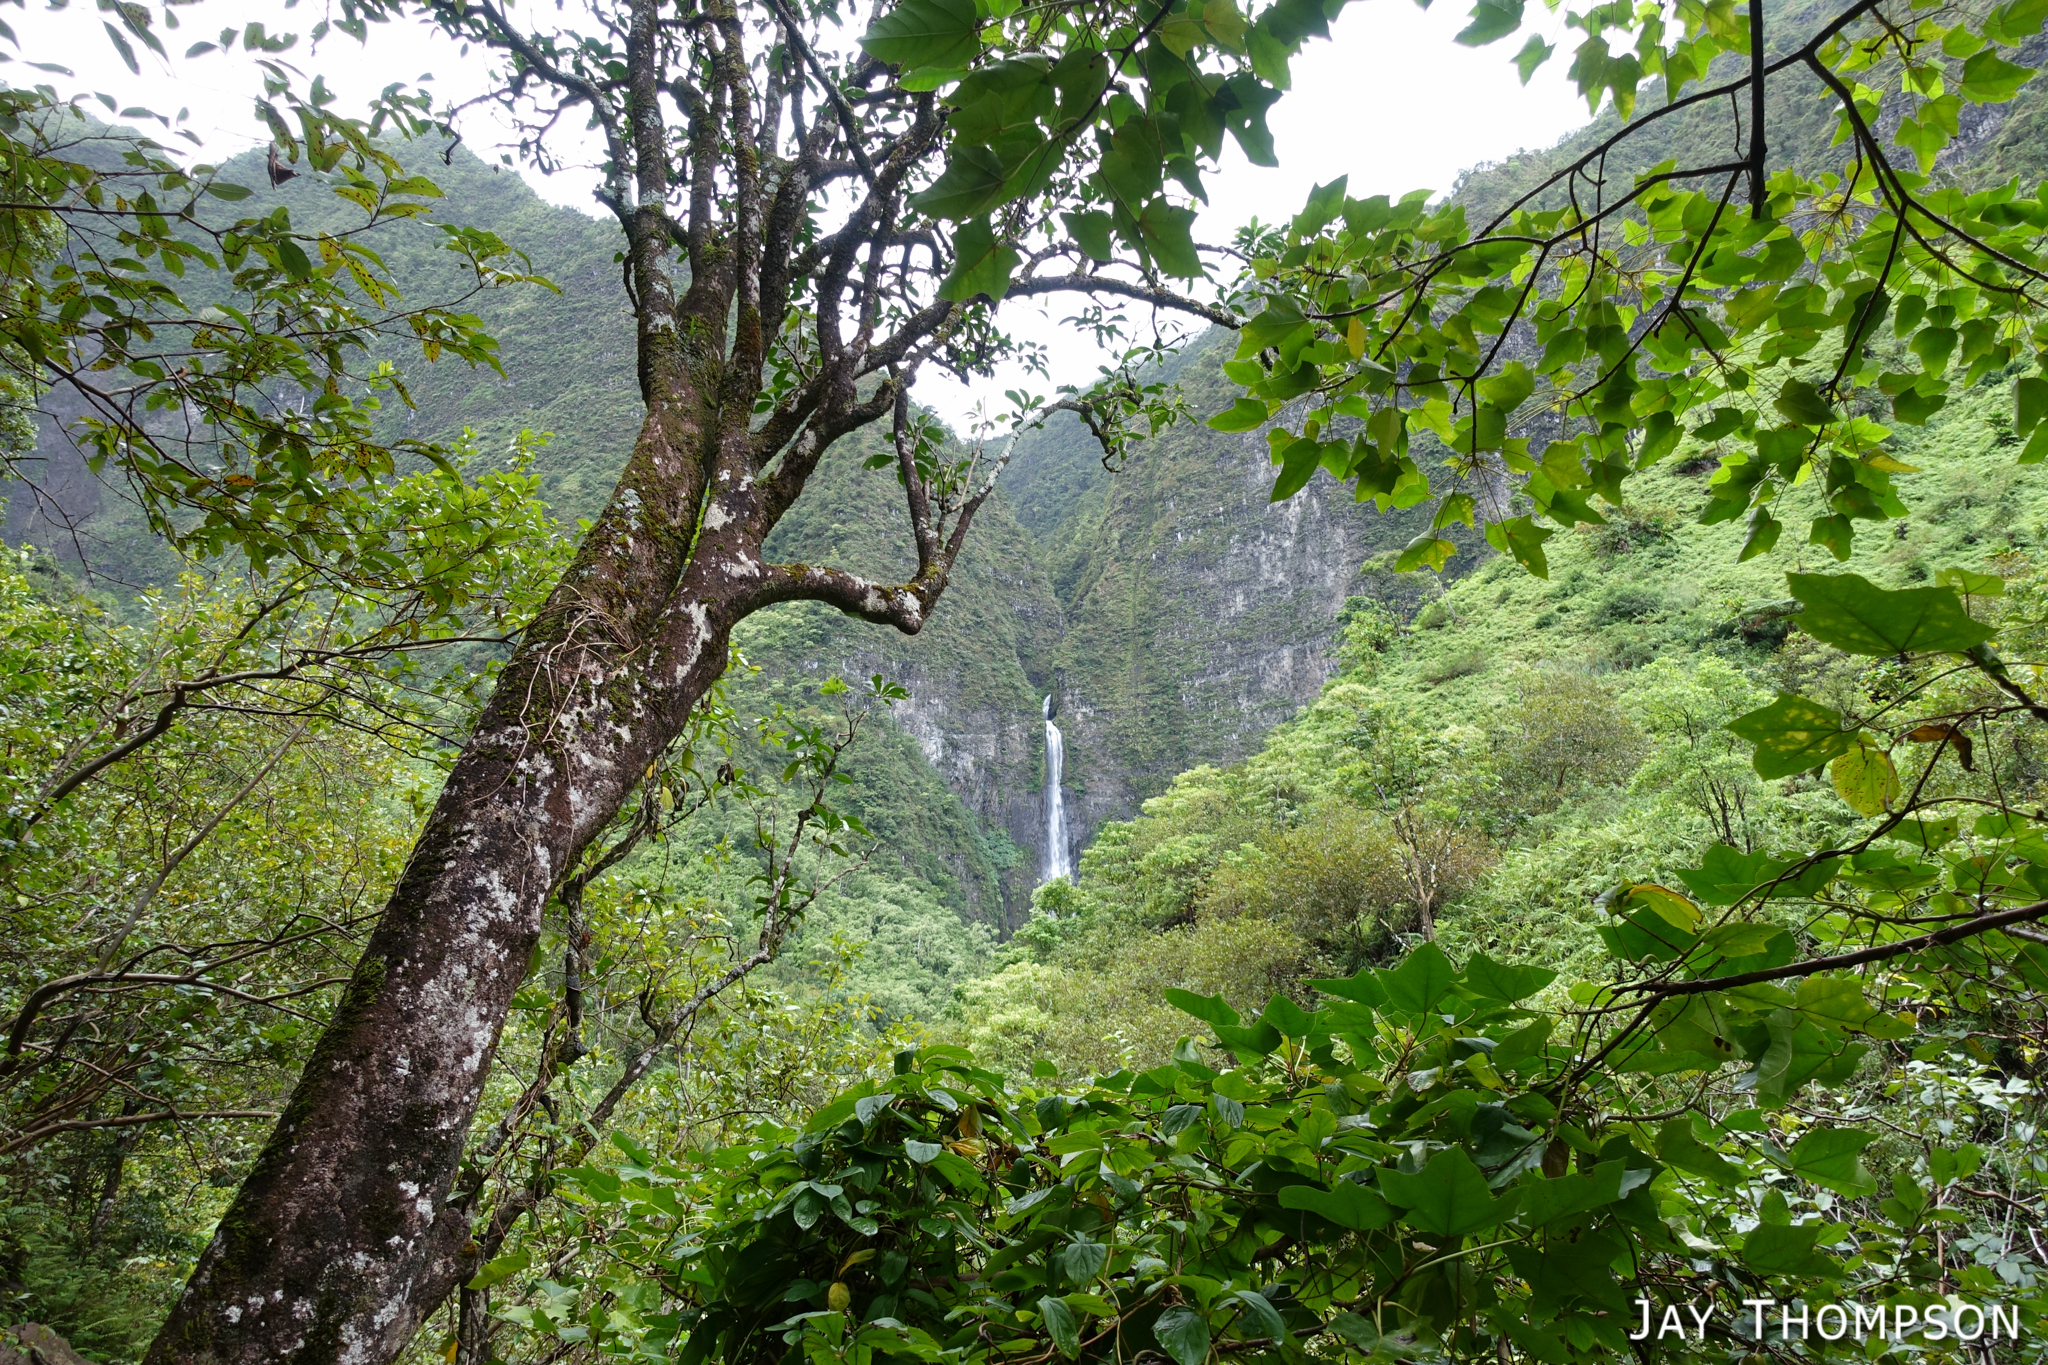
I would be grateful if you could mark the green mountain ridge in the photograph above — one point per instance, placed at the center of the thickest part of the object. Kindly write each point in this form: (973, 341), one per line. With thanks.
(1176, 612)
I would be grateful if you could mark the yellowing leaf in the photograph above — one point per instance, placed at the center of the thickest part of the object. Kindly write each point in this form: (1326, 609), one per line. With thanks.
(1865, 779)
(1674, 909)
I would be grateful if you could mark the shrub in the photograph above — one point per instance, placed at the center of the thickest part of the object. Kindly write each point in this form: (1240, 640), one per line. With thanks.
(1106, 1010)
(1627, 602)
(1564, 732)
(1457, 666)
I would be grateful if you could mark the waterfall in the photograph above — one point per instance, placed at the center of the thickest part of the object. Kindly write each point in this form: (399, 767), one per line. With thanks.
(1058, 861)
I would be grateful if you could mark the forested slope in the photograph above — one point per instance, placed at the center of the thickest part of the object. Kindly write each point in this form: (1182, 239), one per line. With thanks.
(1502, 758)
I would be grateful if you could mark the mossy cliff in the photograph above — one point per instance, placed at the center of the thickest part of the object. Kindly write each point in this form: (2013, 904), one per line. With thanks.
(1198, 614)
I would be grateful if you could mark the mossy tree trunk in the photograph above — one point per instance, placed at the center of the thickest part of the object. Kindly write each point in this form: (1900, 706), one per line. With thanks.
(342, 1238)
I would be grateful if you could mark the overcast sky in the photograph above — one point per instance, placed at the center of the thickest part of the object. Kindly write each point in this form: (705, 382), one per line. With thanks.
(1389, 101)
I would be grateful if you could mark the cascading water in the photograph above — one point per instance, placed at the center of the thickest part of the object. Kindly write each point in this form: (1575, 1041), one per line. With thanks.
(1058, 861)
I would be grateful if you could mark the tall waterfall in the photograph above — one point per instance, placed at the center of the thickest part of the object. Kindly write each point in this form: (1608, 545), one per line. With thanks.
(1059, 862)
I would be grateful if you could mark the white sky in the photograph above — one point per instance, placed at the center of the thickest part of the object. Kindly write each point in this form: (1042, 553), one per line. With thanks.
(1390, 101)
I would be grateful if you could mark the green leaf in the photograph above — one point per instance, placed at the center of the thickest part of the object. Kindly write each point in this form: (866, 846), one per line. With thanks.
(121, 46)
(922, 1152)
(1169, 235)
(1263, 1314)
(1523, 1043)
(1865, 779)
(2030, 403)
(495, 1272)
(1083, 1261)
(1346, 1203)
(1762, 534)
(1210, 1009)
(1837, 1002)
(982, 264)
(1677, 1146)
(1447, 1198)
(1534, 53)
(926, 33)
(1510, 387)
(1774, 1249)
(2037, 446)
(1091, 229)
(1360, 1332)
(221, 189)
(1661, 435)
(1500, 981)
(293, 259)
(1546, 1201)
(1926, 835)
(1428, 549)
(1792, 735)
(1834, 533)
(1258, 1039)
(1323, 204)
(1183, 1334)
(2016, 21)
(1850, 613)
(1291, 1019)
(1725, 875)
(1246, 414)
(1802, 402)
(1363, 986)
(1419, 982)
(1492, 20)
(1061, 1325)
(1970, 583)
(1990, 79)
(1522, 538)
(1944, 1165)
(1661, 901)
(1298, 464)
(972, 184)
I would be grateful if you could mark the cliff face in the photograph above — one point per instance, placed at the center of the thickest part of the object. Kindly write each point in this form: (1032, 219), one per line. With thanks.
(975, 673)
(1198, 614)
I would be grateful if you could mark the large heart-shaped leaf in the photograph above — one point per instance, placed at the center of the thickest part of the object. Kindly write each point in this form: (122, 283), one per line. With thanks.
(1347, 1204)
(1502, 981)
(1421, 981)
(1853, 614)
(925, 33)
(1183, 1334)
(1833, 1158)
(1447, 1198)
(1792, 735)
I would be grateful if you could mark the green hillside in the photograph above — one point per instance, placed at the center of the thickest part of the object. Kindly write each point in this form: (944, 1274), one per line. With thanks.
(1178, 616)
(1551, 737)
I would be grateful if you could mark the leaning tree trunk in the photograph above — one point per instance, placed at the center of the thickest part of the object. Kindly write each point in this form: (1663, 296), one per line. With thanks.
(341, 1225)
(342, 1239)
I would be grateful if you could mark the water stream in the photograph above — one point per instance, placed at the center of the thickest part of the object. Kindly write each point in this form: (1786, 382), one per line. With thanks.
(1059, 861)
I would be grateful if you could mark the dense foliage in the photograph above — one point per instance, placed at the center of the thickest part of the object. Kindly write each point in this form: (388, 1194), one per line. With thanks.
(1559, 347)
(1799, 1079)
(1583, 996)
